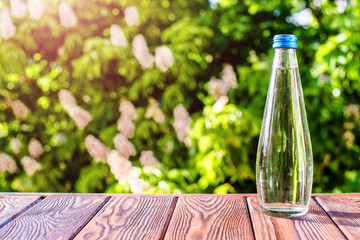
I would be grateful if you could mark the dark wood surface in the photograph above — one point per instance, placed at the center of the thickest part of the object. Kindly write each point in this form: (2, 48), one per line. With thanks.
(188, 216)
(210, 217)
(314, 225)
(133, 217)
(55, 217)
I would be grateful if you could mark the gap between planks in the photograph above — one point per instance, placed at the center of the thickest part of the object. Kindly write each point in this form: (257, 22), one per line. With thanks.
(23, 211)
(166, 226)
(316, 202)
(90, 218)
(168, 220)
(249, 216)
(41, 198)
(327, 214)
(169, 217)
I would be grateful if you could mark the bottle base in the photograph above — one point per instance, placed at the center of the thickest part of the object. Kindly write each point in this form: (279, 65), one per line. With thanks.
(284, 211)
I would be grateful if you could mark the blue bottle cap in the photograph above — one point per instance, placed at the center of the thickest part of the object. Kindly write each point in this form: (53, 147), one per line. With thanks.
(285, 41)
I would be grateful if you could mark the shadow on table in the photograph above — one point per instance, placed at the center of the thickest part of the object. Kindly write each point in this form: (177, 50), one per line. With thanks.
(345, 218)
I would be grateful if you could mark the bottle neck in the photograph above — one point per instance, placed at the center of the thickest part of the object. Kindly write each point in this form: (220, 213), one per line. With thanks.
(285, 58)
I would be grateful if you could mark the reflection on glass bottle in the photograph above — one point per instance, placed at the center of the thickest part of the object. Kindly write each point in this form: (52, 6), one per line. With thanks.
(284, 164)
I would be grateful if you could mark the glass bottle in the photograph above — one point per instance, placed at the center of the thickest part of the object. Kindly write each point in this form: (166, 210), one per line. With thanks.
(284, 163)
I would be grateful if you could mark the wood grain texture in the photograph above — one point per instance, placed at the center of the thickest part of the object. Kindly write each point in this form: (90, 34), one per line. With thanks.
(210, 217)
(12, 206)
(345, 212)
(55, 217)
(131, 217)
(314, 225)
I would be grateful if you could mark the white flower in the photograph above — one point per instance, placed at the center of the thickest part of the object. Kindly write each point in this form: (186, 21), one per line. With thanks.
(30, 165)
(229, 77)
(60, 138)
(80, 116)
(67, 100)
(159, 116)
(7, 164)
(119, 165)
(352, 110)
(341, 6)
(220, 87)
(128, 113)
(154, 111)
(349, 138)
(96, 148)
(36, 9)
(132, 16)
(138, 185)
(61, 51)
(67, 15)
(220, 103)
(182, 124)
(124, 146)
(317, 4)
(7, 28)
(324, 78)
(126, 126)
(348, 125)
(127, 109)
(147, 159)
(117, 36)
(20, 110)
(301, 18)
(163, 58)
(141, 52)
(217, 88)
(35, 148)
(15, 145)
(18, 8)
(180, 113)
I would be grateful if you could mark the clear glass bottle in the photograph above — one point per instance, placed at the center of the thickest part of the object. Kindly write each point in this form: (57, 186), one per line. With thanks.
(284, 163)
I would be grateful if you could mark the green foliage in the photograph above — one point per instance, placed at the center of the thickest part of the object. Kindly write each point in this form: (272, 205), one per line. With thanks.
(44, 57)
(222, 148)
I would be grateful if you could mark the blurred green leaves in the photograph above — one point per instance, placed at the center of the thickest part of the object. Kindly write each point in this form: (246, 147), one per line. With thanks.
(44, 57)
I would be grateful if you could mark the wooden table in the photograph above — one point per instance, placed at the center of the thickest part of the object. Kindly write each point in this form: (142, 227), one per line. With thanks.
(193, 216)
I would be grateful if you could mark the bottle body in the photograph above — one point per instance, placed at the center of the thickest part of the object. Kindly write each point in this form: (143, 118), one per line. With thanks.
(284, 164)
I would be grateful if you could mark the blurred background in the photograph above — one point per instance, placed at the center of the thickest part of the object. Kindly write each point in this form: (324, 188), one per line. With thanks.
(168, 96)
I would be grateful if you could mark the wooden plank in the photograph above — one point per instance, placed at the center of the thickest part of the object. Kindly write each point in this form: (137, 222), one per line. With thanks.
(11, 206)
(344, 211)
(55, 217)
(210, 217)
(314, 225)
(131, 217)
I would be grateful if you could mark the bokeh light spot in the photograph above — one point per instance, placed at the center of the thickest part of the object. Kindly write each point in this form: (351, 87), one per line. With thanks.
(37, 57)
(115, 11)
(336, 92)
